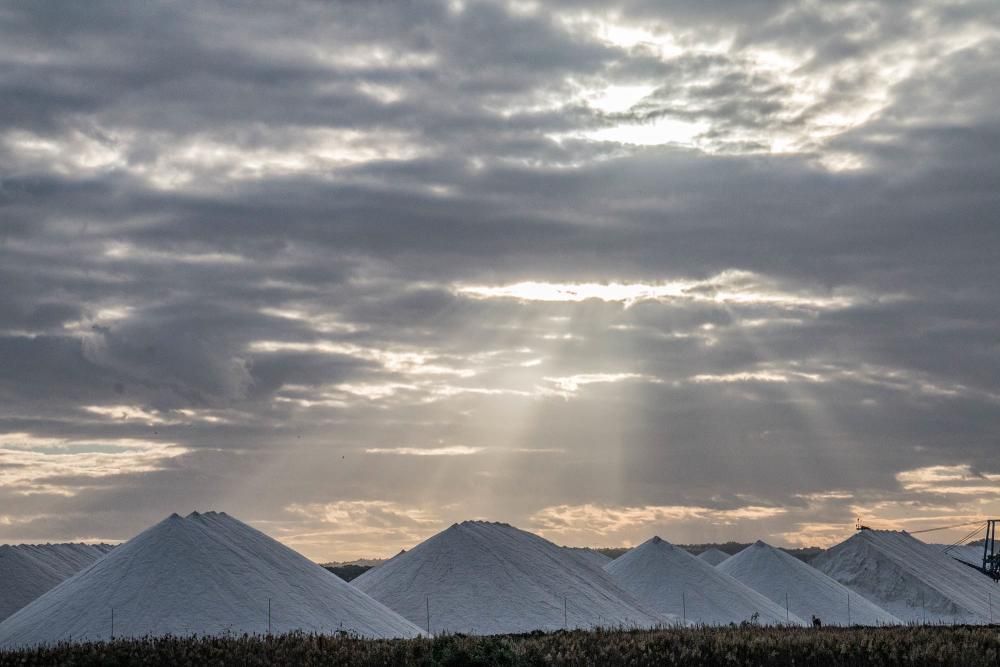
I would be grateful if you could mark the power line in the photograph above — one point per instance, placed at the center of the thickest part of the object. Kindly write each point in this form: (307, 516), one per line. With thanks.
(957, 525)
(975, 531)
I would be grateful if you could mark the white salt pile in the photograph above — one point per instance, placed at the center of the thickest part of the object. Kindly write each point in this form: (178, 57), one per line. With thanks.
(713, 556)
(670, 580)
(491, 578)
(28, 570)
(967, 553)
(783, 578)
(587, 555)
(916, 582)
(206, 574)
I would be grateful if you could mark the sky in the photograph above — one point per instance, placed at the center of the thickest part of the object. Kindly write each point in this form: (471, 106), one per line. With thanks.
(355, 271)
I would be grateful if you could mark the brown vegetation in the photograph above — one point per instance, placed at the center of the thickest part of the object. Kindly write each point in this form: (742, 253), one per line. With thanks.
(930, 646)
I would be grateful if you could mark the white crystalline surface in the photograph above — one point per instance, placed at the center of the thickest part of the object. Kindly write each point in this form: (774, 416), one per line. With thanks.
(595, 558)
(670, 580)
(206, 574)
(713, 556)
(913, 580)
(491, 578)
(28, 570)
(809, 592)
(967, 553)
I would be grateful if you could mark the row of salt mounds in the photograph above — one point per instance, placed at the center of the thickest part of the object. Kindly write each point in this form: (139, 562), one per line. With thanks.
(808, 592)
(206, 574)
(713, 556)
(487, 578)
(672, 581)
(915, 581)
(28, 570)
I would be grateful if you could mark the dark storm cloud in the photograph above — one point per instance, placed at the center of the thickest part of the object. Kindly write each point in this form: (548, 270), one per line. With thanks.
(234, 243)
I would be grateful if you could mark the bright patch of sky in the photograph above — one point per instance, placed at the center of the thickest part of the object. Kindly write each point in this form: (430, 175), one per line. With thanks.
(452, 450)
(730, 287)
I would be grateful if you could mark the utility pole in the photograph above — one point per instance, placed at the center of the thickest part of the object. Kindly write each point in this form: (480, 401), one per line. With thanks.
(269, 616)
(684, 607)
(427, 601)
(991, 559)
(848, 609)
(787, 619)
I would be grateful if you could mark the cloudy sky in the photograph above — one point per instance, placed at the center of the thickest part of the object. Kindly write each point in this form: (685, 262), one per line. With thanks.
(355, 271)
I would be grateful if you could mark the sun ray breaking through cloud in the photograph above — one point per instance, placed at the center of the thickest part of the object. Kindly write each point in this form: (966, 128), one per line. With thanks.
(725, 271)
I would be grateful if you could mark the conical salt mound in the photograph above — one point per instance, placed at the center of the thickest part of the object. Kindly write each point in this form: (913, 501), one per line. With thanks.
(491, 578)
(713, 556)
(28, 570)
(913, 580)
(205, 574)
(808, 592)
(672, 581)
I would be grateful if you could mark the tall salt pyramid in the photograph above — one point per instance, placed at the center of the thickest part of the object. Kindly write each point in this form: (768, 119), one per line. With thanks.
(914, 581)
(205, 574)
